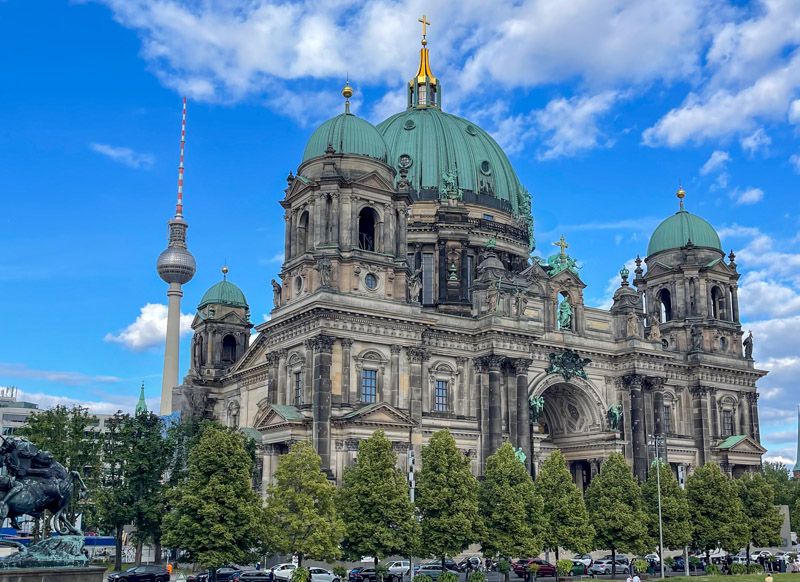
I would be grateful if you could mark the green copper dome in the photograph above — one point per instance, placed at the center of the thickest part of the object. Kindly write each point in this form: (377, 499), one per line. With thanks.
(429, 144)
(223, 293)
(346, 134)
(679, 229)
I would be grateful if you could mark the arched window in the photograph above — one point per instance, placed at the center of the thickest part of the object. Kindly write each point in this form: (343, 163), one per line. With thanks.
(302, 233)
(367, 221)
(328, 219)
(228, 349)
(665, 305)
(717, 303)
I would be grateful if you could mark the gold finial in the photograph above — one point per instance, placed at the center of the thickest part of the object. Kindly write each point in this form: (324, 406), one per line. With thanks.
(681, 194)
(347, 92)
(225, 272)
(562, 244)
(425, 24)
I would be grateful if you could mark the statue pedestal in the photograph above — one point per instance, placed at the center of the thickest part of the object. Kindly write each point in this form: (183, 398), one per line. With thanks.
(55, 574)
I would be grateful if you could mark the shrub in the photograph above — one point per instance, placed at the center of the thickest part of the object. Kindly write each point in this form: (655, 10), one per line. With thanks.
(477, 577)
(340, 572)
(755, 569)
(448, 577)
(533, 568)
(713, 570)
(301, 575)
(503, 566)
(640, 566)
(563, 568)
(738, 569)
(422, 578)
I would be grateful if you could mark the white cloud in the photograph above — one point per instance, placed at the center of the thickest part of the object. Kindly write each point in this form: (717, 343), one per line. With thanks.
(570, 125)
(747, 197)
(149, 329)
(755, 142)
(794, 159)
(110, 406)
(14, 370)
(125, 156)
(717, 161)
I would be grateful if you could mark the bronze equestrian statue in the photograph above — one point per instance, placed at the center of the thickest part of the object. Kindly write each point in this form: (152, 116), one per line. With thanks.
(35, 482)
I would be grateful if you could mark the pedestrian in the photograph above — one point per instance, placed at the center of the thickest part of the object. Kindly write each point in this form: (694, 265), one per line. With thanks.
(629, 579)
(768, 578)
(636, 578)
(169, 568)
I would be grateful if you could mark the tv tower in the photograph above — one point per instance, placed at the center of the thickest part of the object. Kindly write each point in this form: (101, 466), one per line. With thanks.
(176, 266)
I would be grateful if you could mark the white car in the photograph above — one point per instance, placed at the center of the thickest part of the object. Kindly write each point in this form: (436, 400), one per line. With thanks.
(322, 575)
(652, 558)
(584, 559)
(398, 567)
(283, 571)
(756, 555)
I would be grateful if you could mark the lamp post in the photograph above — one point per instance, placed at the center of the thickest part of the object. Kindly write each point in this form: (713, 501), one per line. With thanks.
(654, 440)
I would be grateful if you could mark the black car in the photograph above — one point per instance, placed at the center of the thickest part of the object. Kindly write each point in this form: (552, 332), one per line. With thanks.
(256, 576)
(141, 574)
(364, 575)
(224, 574)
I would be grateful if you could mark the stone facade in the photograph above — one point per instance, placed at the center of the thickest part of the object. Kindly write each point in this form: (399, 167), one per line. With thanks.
(406, 312)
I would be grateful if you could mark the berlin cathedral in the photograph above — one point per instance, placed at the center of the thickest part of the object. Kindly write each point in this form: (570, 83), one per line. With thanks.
(408, 301)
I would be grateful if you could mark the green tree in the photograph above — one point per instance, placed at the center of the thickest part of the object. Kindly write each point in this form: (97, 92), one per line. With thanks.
(114, 499)
(148, 455)
(215, 515)
(615, 507)
(787, 490)
(73, 437)
(301, 511)
(764, 521)
(510, 507)
(447, 498)
(718, 520)
(374, 504)
(565, 522)
(674, 508)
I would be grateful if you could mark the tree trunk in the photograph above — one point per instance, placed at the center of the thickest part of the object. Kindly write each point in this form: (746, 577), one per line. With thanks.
(375, 565)
(138, 557)
(157, 549)
(118, 548)
(748, 553)
(613, 563)
(299, 562)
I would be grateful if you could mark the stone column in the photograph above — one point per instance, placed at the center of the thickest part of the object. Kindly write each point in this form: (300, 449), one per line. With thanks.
(416, 356)
(495, 364)
(334, 218)
(394, 382)
(658, 410)
(462, 400)
(594, 468)
(521, 366)
(293, 234)
(716, 430)
(282, 376)
(482, 406)
(353, 222)
(752, 399)
(388, 229)
(464, 290)
(442, 271)
(347, 344)
(321, 346)
(701, 423)
(634, 384)
(402, 231)
(735, 302)
(272, 377)
(287, 240)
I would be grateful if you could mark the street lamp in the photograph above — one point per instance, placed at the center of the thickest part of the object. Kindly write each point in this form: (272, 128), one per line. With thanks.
(654, 441)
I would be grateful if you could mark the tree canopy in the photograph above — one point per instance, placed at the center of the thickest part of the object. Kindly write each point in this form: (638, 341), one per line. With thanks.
(447, 498)
(565, 521)
(615, 508)
(764, 521)
(301, 513)
(718, 520)
(215, 515)
(510, 507)
(676, 526)
(374, 504)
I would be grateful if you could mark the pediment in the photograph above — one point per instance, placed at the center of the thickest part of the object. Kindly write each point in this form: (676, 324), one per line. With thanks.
(534, 272)
(278, 415)
(373, 180)
(255, 353)
(299, 185)
(719, 266)
(380, 413)
(741, 444)
(567, 276)
(659, 269)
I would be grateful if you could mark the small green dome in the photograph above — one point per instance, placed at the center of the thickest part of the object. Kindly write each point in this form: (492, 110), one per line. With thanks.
(223, 293)
(346, 134)
(428, 143)
(679, 229)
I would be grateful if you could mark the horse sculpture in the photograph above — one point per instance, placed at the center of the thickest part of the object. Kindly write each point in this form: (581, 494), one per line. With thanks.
(35, 484)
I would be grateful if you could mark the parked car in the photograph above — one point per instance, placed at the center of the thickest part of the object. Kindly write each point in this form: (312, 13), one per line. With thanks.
(365, 575)
(694, 565)
(352, 576)
(586, 559)
(322, 575)
(740, 559)
(756, 555)
(620, 558)
(434, 570)
(224, 574)
(398, 567)
(579, 568)
(141, 574)
(546, 569)
(283, 571)
(473, 563)
(256, 576)
(520, 566)
(652, 559)
(605, 567)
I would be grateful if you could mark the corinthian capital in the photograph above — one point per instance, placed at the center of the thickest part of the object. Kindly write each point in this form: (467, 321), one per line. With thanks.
(417, 354)
(521, 365)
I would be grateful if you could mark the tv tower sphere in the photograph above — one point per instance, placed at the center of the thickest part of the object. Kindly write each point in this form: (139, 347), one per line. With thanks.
(176, 264)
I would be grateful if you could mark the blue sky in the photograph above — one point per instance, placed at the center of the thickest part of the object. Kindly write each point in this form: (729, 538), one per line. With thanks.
(603, 107)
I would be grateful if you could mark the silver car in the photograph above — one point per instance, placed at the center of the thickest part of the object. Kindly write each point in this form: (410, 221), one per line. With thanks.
(322, 575)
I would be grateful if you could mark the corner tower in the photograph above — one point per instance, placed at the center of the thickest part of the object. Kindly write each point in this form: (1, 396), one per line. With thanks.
(176, 267)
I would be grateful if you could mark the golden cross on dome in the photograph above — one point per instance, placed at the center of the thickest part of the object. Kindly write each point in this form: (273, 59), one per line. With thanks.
(562, 244)
(425, 24)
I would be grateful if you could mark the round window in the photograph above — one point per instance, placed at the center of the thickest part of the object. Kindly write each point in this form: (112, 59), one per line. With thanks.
(371, 281)
(405, 161)
(409, 125)
(486, 168)
(298, 284)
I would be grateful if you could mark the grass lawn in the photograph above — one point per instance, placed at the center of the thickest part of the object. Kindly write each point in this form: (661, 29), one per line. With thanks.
(788, 577)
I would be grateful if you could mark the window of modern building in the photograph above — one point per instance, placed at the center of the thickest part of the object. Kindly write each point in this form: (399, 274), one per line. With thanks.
(369, 386)
(440, 396)
(298, 388)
